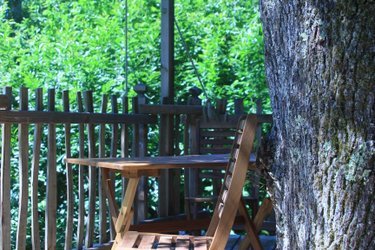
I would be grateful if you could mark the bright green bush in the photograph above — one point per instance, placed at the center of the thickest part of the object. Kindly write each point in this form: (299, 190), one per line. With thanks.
(80, 45)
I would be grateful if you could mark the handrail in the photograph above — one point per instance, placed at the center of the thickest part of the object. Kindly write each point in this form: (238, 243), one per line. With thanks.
(170, 109)
(55, 117)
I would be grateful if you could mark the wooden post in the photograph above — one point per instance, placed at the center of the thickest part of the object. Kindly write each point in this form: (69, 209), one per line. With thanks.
(169, 180)
(238, 106)
(125, 138)
(4, 102)
(5, 179)
(88, 100)
(140, 149)
(23, 145)
(167, 48)
(101, 180)
(168, 200)
(191, 175)
(81, 176)
(69, 177)
(35, 233)
(50, 232)
(256, 178)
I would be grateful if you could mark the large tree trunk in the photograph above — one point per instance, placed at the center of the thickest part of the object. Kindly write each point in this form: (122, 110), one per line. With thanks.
(320, 66)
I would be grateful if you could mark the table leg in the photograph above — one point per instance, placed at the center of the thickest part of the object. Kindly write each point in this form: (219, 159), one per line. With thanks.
(110, 192)
(125, 215)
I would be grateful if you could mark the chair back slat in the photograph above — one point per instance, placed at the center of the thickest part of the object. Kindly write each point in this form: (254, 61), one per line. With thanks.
(229, 198)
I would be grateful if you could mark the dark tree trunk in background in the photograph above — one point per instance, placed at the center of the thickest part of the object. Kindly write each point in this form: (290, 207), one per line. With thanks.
(320, 66)
(15, 10)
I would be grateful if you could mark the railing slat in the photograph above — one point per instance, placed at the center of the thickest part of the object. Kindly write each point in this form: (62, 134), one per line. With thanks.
(125, 138)
(114, 127)
(35, 234)
(69, 178)
(5, 181)
(140, 149)
(23, 146)
(81, 173)
(102, 196)
(125, 129)
(92, 172)
(113, 152)
(51, 193)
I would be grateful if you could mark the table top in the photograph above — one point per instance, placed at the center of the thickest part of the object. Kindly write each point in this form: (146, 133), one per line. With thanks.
(159, 162)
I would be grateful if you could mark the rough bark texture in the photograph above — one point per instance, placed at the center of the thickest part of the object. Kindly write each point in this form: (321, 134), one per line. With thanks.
(320, 66)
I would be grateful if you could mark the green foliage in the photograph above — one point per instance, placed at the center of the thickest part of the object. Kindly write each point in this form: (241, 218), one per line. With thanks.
(226, 40)
(80, 45)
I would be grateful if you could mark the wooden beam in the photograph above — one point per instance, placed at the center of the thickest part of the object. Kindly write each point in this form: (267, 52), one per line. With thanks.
(170, 109)
(169, 179)
(167, 48)
(65, 117)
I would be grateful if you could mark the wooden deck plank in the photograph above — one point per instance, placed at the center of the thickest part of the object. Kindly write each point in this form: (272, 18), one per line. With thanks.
(147, 242)
(127, 241)
(182, 243)
(201, 243)
(165, 242)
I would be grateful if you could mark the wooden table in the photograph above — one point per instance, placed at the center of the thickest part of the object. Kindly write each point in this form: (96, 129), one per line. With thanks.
(134, 168)
(158, 162)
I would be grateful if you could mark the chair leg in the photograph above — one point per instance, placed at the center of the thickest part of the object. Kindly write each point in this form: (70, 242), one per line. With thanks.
(264, 210)
(252, 234)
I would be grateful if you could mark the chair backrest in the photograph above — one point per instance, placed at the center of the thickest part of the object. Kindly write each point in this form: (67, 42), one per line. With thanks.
(207, 137)
(230, 194)
(216, 139)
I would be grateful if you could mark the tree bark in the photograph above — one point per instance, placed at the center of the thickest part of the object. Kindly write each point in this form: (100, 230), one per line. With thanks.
(320, 67)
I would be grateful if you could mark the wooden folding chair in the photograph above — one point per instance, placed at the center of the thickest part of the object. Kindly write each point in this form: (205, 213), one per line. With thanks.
(225, 211)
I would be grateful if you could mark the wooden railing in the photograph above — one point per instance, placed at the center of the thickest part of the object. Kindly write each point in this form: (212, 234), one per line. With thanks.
(51, 193)
(51, 135)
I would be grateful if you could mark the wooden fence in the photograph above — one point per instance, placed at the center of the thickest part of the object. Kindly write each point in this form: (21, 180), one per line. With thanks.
(46, 187)
(80, 133)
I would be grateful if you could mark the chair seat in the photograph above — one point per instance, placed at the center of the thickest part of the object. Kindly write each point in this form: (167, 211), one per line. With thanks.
(139, 240)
